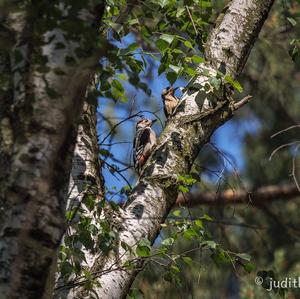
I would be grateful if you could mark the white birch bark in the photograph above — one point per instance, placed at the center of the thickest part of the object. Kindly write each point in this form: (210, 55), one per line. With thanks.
(85, 180)
(36, 136)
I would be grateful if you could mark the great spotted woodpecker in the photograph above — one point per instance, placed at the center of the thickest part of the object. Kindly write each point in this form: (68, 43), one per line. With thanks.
(170, 101)
(144, 141)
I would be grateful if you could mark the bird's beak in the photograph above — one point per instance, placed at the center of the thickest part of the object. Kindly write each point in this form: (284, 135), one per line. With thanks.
(153, 121)
(172, 90)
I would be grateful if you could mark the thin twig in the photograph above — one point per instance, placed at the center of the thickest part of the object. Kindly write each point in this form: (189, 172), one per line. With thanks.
(284, 130)
(118, 172)
(189, 13)
(281, 147)
(116, 143)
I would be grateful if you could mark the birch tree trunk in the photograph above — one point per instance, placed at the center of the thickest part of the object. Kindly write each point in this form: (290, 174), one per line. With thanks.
(85, 183)
(200, 114)
(50, 71)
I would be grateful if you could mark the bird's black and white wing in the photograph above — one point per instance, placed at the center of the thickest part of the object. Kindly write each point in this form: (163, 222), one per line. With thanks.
(141, 139)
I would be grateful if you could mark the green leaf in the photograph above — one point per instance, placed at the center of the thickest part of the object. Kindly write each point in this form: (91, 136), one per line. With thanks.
(180, 11)
(172, 77)
(210, 244)
(190, 71)
(87, 274)
(144, 87)
(174, 269)
(168, 241)
(88, 285)
(197, 59)
(122, 77)
(292, 21)
(175, 68)
(187, 260)
(172, 275)
(162, 45)
(162, 67)
(125, 190)
(143, 248)
(167, 37)
(123, 99)
(133, 21)
(89, 201)
(86, 239)
(177, 213)
(162, 3)
(183, 189)
(69, 215)
(234, 83)
(118, 85)
(190, 233)
(135, 65)
(216, 83)
(244, 256)
(249, 267)
(187, 179)
(221, 258)
(105, 152)
(129, 265)
(132, 47)
(177, 51)
(104, 86)
(66, 268)
(294, 53)
(206, 217)
(205, 4)
(199, 223)
(188, 44)
(125, 246)
(143, 251)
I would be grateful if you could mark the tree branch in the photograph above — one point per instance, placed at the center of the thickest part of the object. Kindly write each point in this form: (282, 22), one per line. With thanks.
(258, 196)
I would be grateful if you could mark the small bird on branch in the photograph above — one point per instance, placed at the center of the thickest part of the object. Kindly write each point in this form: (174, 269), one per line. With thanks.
(144, 142)
(170, 101)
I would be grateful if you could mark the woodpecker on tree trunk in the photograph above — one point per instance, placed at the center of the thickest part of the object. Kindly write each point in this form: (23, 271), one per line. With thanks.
(144, 142)
(170, 101)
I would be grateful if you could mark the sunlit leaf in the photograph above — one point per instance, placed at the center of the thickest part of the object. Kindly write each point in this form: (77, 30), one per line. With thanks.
(292, 21)
(168, 241)
(187, 260)
(188, 44)
(167, 37)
